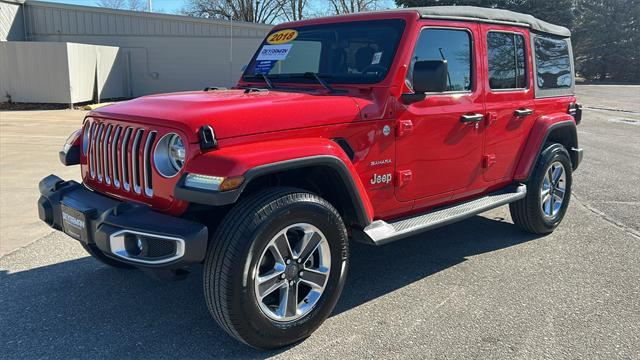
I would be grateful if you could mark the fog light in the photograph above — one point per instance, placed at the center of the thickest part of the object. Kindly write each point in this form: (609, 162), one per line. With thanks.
(134, 244)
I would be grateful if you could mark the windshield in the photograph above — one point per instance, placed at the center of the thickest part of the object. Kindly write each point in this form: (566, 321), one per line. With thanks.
(352, 52)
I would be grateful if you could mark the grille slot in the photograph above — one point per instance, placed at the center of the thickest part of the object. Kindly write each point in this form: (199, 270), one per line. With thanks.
(105, 154)
(148, 184)
(135, 162)
(124, 156)
(91, 152)
(115, 173)
(120, 156)
(98, 153)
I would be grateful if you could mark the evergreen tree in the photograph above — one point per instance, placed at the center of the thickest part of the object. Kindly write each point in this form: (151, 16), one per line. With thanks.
(606, 39)
(606, 33)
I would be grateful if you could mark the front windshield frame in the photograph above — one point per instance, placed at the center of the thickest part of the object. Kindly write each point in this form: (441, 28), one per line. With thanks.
(397, 24)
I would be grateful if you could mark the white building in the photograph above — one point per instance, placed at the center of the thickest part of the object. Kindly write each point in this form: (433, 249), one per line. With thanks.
(44, 56)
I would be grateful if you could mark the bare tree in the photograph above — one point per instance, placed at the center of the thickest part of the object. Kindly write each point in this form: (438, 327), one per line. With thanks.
(136, 5)
(111, 4)
(273, 11)
(353, 6)
(294, 10)
(258, 11)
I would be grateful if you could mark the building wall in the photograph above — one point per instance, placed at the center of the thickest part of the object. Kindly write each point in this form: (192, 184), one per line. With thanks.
(95, 71)
(11, 21)
(161, 53)
(34, 72)
(63, 73)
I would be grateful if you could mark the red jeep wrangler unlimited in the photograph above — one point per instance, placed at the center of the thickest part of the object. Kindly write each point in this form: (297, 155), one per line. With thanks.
(373, 126)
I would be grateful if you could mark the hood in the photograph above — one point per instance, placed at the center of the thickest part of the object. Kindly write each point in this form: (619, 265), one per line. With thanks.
(234, 113)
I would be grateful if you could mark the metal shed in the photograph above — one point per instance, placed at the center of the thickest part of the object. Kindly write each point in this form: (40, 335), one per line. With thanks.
(155, 52)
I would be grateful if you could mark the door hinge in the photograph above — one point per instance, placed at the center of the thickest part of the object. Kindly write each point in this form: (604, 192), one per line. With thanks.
(404, 127)
(403, 177)
(488, 160)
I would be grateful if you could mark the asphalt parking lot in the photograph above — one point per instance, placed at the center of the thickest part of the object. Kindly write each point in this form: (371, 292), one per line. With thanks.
(476, 289)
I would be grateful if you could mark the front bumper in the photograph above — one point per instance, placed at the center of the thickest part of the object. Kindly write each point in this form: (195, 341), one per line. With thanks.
(129, 232)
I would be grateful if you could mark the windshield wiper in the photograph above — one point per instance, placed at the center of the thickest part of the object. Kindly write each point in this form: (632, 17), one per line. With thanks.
(320, 80)
(267, 80)
(263, 77)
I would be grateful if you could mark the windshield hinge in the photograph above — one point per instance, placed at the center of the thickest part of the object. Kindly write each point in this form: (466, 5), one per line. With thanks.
(252, 89)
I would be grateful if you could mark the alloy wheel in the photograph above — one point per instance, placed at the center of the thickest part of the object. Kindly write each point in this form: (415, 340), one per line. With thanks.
(292, 272)
(552, 191)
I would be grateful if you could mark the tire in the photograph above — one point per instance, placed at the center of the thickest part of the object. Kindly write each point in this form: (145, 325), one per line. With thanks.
(98, 255)
(236, 260)
(531, 213)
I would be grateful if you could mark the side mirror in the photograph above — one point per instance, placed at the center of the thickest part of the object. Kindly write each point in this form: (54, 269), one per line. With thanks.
(428, 76)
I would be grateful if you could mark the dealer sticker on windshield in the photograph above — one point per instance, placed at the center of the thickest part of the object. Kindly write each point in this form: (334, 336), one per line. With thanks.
(274, 52)
(282, 36)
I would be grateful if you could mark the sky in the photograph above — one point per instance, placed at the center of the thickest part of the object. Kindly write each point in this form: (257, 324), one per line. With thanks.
(166, 6)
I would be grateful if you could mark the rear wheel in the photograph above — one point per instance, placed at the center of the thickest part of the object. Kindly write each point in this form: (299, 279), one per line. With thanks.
(276, 267)
(548, 192)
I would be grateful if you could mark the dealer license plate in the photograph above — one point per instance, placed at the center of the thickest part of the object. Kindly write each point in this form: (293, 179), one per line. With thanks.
(74, 223)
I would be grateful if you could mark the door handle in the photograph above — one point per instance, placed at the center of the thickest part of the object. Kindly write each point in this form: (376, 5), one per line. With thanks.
(471, 118)
(523, 112)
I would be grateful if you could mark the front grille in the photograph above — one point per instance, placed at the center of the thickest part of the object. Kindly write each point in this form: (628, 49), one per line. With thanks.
(119, 156)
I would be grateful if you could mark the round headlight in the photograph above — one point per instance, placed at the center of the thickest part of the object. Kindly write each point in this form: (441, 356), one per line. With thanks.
(176, 152)
(169, 155)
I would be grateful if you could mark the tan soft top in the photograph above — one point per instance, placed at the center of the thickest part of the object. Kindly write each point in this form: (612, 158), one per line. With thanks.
(474, 13)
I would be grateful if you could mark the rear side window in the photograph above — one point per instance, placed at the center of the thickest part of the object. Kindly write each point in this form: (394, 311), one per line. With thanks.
(451, 45)
(507, 60)
(553, 63)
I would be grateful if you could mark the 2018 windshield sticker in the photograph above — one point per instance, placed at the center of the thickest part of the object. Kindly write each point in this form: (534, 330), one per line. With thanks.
(282, 36)
(274, 52)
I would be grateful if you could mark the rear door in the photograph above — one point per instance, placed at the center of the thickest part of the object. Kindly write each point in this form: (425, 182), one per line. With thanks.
(509, 98)
(436, 149)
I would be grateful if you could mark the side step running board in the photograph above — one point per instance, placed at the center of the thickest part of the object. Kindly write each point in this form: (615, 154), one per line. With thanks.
(381, 232)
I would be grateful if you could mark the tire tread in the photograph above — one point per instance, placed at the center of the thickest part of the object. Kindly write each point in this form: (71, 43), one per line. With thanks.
(524, 212)
(224, 246)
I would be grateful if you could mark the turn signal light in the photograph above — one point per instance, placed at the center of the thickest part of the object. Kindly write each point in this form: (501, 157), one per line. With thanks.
(231, 183)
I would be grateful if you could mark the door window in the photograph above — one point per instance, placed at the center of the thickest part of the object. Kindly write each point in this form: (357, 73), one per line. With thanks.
(446, 44)
(507, 60)
(553, 63)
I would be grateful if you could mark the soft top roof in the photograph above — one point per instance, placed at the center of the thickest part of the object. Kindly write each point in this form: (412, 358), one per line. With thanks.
(474, 13)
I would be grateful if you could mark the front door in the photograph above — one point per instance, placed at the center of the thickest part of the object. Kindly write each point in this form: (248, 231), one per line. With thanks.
(509, 99)
(439, 144)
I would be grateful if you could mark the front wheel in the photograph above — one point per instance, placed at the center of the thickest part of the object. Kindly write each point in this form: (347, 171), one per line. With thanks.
(548, 193)
(276, 267)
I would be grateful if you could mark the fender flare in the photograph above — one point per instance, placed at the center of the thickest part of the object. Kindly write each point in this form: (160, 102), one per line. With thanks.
(539, 135)
(357, 194)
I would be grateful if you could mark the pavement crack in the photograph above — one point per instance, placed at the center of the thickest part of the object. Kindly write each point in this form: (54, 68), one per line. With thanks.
(612, 109)
(620, 202)
(629, 230)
